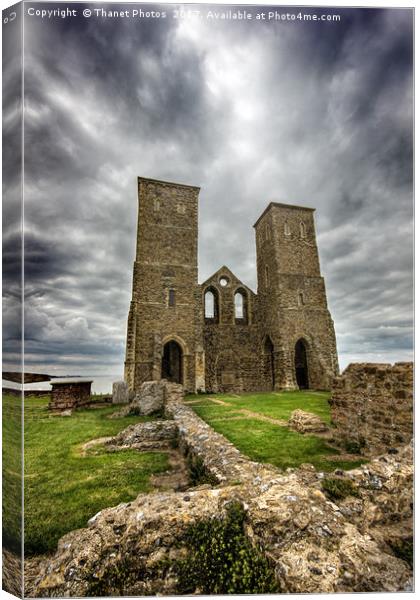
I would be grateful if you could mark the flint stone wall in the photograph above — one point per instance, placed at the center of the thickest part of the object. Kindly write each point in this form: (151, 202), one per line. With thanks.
(372, 406)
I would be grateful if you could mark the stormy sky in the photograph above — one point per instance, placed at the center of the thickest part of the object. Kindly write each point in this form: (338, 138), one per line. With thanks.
(311, 113)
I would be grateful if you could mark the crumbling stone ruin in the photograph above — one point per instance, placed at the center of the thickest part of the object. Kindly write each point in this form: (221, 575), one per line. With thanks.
(220, 336)
(341, 532)
(306, 422)
(372, 407)
(68, 394)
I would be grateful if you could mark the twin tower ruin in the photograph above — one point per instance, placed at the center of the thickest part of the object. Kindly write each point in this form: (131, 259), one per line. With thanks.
(219, 336)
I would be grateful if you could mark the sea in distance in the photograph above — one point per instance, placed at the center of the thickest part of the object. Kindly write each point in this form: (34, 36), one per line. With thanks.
(101, 384)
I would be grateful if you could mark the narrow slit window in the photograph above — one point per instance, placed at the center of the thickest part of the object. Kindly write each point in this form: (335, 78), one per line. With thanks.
(266, 276)
(287, 229)
(171, 298)
(301, 300)
(302, 230)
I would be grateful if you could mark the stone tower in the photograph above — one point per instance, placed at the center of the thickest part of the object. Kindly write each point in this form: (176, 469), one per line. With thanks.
(164, 331)
(296, 329)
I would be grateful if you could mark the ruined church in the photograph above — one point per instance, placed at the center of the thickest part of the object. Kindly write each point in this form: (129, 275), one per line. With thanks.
(220, 336)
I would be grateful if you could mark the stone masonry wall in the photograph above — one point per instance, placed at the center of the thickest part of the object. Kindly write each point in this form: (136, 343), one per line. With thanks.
(69, 395)
(231, 344)
(372, 406)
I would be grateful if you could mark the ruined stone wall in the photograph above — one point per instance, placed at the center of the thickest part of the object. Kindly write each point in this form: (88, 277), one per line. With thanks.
(372, 406)
(231, 343)
(66, 396)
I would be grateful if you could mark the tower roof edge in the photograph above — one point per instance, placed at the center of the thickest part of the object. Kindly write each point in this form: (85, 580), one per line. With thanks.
(282, 205)
(182, 185)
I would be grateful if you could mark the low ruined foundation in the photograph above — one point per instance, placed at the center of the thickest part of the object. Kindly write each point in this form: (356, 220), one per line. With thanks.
(313, 543)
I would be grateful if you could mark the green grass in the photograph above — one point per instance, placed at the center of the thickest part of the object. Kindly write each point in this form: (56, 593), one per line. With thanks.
(64, 489)
(215, 412)
(270, 443)
(12, 469)
(278, 405)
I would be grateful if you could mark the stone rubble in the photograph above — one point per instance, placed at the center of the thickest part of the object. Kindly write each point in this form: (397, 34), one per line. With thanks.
(305, 422)
(143, 436)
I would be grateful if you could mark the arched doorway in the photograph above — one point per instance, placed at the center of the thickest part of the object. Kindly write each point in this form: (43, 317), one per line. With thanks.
(172, 362)
(301, 365)
(269, 363)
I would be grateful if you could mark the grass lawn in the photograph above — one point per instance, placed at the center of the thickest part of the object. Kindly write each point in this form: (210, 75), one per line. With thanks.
(278, 405)
(63, 489)
(267, 442)
(12, 470)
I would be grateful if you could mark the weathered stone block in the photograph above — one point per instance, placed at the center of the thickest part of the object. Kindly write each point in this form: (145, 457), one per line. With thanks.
(145, 435)
(151, 398)
(120, 392)
(305, 422)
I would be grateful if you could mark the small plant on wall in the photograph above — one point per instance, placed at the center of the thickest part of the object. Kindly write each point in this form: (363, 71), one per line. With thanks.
(223, 561)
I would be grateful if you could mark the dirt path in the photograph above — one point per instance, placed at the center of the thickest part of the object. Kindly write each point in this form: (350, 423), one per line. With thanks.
(249, 414)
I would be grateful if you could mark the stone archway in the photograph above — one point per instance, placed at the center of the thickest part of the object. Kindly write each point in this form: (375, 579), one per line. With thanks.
(172, 359)
(301, 365)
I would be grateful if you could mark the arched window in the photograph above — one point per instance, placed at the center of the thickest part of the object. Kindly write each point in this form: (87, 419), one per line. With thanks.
(241, 307)
(287, 229)
(302, 229)
(211, 306)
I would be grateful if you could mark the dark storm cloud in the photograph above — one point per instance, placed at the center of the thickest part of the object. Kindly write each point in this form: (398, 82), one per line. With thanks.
(313, 114)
